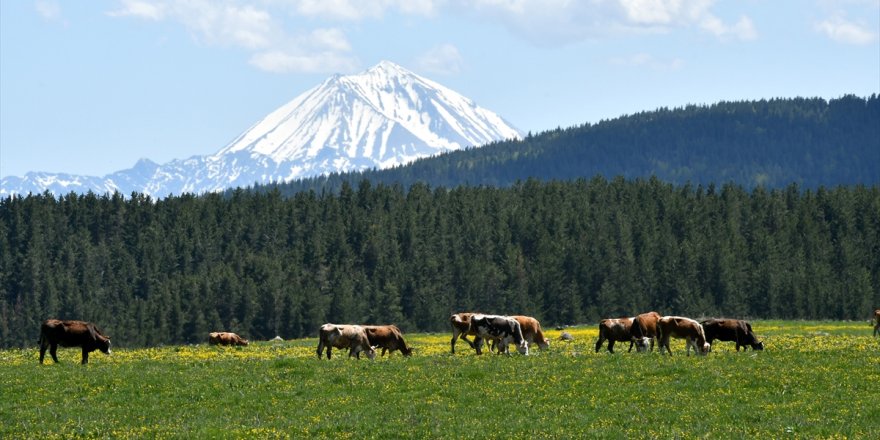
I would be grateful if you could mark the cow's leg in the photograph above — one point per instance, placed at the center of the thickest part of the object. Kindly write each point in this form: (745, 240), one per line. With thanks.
(631, 343)
(611, 345)
(454, 337)
(329, 349)
(85, 356)
(43, 347)
(478, 344)
(599, 343)
(664, 343)
(53, 350)
(320, 348)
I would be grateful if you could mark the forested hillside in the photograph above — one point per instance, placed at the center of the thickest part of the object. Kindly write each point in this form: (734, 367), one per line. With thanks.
(261, 264)
(810, 142)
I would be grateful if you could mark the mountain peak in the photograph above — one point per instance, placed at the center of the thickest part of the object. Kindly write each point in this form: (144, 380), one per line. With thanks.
(382, 117)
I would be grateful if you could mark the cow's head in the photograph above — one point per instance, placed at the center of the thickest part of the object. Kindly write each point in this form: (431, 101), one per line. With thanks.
(642, 344)
(371, 352)
(523, 347)
(758, 346)
(407, 351)
(704, 350)
(101, 342)
(545, 344)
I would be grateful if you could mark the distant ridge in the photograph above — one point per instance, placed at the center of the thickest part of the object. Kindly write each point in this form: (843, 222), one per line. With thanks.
(810, 142)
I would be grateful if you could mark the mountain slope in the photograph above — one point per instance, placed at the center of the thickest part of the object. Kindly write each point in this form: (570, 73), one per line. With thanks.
(383, 117)
(809, 142)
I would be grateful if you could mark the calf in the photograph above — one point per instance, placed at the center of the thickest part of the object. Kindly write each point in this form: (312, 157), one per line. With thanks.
(54, 332)
(389, 337)
(352, 337)
(731, 330)
(683, 328)
(644, 330)
(501, 328)
(226, 338)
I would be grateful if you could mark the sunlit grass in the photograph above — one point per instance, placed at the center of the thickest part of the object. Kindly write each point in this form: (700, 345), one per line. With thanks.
(815, 380)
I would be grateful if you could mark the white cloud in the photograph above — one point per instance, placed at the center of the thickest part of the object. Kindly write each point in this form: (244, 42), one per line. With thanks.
(743, 30)
(353, 10)
(251, 27)
(563, 21)
(844, 31)
(141, 9)
(444, 59)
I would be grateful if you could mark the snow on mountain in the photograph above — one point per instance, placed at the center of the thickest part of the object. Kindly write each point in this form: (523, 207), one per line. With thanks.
(380, 118)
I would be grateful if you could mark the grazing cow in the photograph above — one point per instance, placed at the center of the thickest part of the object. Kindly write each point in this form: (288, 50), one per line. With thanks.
(682, 328)
(644, 329)
(501, 328)
(731, 330)
(614, 330)
(389, 337)
(226, 338)
(83, 334)
(531, 331)
(461, 323)
(876, 320)
(352, 337)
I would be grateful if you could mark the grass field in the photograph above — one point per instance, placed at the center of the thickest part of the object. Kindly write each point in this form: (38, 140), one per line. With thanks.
(814, 380)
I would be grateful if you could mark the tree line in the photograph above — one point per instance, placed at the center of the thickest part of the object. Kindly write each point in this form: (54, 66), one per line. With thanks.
(169, 271)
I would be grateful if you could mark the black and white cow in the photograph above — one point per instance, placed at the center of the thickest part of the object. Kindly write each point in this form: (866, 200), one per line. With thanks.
(502, 329)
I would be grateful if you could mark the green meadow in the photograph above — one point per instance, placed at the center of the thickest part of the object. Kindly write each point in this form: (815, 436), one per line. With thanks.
(814, 380)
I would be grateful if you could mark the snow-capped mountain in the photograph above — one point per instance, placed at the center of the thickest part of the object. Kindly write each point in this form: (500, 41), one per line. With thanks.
(380, 118)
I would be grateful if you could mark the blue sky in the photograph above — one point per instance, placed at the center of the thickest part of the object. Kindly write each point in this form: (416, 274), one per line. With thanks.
(91, 87)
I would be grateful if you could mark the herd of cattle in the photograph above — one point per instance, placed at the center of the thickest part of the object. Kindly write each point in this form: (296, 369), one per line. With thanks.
(499, 331)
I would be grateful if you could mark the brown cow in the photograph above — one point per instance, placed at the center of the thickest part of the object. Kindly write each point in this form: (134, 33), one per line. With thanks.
(682, 328)
(731, 330)
(461, 323)
(83, 334)
(226, 338)
(644, 330)
(352, 337)
(531, 331)
(614, 330)
(389, 337)
(876, 322)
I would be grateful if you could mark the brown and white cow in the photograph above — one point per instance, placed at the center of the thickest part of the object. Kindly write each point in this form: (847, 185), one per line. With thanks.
(389, 337)
(54, 332)
(531, 331)
(644, 330)
(226, 338)
(461, 323)
(614, 330)
(504, 329)
(876, 322)
(352, 337)
(733, 330)
(682, 328)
